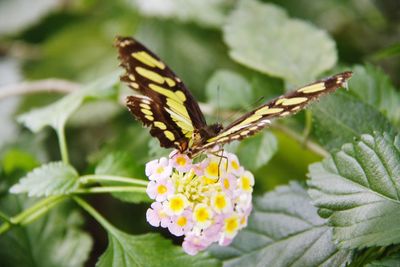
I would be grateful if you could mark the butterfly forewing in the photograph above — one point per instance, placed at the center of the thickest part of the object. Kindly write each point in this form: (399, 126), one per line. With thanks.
(287, 104)
(147, 74)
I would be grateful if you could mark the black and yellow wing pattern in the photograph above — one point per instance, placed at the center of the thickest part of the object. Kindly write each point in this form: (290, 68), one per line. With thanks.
(164, 104)
(285, 105)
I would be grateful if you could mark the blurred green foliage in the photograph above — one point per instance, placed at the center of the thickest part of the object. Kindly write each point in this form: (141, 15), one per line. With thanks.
(230, 54)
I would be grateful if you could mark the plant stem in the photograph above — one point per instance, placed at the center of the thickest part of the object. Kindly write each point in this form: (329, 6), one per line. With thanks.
(96, 178)
(99, 218)
(63, 144)
(308, 126)
(110, 189)
(47, 85)
(5, 218)
(32, 213)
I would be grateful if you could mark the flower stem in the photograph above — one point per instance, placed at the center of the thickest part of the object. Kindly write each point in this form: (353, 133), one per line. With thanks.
(32, 213)
(4, 217)
(110, 189)
(99, 218)
(63, 144)
(96, 178)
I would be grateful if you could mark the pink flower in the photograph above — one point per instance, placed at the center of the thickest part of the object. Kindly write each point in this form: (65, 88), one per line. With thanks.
(160, 189)
(180, 162)
(156, 215)
(229, 184)
(158, 169)
(181, 224)
(206, 202)
(233, 164)
(193, 244)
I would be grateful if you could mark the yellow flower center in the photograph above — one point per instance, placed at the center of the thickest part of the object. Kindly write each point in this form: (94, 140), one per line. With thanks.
(177, 204)
(231, 224)
(160, 170)
(208, 180)
(246, 185)
(226, 184)
(181, 161)
(220, 201)
(162, 189)
(235, 165)
(212, 169)
(182, 221)
(201, 214)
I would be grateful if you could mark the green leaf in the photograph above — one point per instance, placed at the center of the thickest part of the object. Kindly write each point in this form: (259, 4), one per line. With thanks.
(393, 261)
(122, 164)
(340, 117)
(374, 87)
(57, 114)
(126, 250)
(210, 13)
(256, 151)
(387, 52)
(54, 178)
(284, 230)
(263, 37)
(15, 159)
(228, 89)
(55, 240)
(358, 188)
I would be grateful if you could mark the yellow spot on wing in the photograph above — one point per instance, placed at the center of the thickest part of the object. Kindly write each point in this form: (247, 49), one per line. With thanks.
(267, 111)
(178, 108)
(251, 119)
(244, 133)
(131, 77)
(149, 117)
(143, 105)
(134, 85)
(170, 82)
(312, 88)
(147, 59)
(151, 75)
(180, 95)
(169, 135)
(146, 111)
(160, 125)
(293, 101)
(166, 92)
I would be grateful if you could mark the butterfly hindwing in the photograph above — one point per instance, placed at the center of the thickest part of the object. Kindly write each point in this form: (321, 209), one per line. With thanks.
(148, 75)
(287, 104)
(161, 125)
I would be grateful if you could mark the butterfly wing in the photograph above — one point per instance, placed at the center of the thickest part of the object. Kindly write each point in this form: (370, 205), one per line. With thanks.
(287, 104)
(171, 102)
(155, 116)
(148, 75)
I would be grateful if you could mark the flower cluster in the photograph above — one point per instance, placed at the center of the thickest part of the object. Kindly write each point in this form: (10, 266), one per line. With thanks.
(207, 201)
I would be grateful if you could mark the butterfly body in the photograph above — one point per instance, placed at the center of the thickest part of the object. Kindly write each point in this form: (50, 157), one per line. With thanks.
(166, 106)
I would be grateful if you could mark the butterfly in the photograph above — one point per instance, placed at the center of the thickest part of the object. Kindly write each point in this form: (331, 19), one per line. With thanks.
(164, 104)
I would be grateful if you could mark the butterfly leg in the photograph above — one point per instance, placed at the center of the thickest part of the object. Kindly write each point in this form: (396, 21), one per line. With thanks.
(220, 153)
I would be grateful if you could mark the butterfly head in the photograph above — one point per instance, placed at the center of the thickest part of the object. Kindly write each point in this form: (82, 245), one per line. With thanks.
(215, 128)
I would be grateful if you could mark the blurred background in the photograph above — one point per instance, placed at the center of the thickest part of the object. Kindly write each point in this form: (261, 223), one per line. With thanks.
(72, 41)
